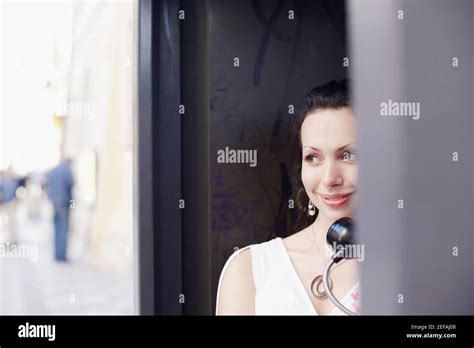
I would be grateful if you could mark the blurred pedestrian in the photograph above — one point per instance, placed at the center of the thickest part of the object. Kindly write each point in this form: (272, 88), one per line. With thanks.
(9, 183)
(60, 183)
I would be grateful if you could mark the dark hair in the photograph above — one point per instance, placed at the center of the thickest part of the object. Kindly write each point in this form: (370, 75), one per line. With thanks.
(332, 95)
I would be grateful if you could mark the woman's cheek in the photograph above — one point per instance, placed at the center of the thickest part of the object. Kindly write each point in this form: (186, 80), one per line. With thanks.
(353, 176)
(309, 177)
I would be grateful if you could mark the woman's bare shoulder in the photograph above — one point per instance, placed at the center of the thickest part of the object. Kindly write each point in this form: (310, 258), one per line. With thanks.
(236, 293)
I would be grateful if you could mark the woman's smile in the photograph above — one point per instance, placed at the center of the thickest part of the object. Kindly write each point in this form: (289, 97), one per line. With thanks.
(336, 200)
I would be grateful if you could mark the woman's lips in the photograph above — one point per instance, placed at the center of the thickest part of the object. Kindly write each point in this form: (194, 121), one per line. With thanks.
(336, 200)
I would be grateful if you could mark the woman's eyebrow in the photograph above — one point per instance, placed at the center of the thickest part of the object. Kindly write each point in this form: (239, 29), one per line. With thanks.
(316, 149)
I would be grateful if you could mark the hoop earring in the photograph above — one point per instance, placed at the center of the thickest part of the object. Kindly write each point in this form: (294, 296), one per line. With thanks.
(311, 209)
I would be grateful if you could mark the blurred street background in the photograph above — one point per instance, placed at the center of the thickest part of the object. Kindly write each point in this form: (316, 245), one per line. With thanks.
(66, 203)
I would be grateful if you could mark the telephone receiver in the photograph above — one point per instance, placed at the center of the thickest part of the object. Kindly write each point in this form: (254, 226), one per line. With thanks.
(340, 234)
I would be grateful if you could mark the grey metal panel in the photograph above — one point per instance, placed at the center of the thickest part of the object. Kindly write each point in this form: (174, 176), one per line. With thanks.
(167, 157)
(195, 158)
(135, 130)
(144, 177)
(159, 159)
(409, 251)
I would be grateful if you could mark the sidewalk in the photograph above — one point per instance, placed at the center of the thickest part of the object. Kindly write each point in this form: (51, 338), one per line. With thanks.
(44, 286)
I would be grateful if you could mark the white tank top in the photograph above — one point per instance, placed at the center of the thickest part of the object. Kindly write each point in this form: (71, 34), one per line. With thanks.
(279, 290)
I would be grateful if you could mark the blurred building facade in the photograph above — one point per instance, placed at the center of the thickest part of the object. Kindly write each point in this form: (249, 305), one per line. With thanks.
(97, 129)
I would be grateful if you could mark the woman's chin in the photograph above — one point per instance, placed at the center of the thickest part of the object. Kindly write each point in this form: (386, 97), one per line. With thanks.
(333, 216)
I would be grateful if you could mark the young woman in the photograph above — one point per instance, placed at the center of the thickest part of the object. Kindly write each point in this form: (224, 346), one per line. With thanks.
(278, 276)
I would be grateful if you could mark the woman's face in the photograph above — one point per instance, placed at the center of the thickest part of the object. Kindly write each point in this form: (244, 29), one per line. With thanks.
(329, 169)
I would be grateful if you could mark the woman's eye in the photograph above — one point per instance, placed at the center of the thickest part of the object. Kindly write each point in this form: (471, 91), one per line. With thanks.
(349, 156)
(312, 158)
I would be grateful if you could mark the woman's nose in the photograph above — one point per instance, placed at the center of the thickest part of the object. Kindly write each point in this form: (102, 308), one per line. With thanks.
(332, 175)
